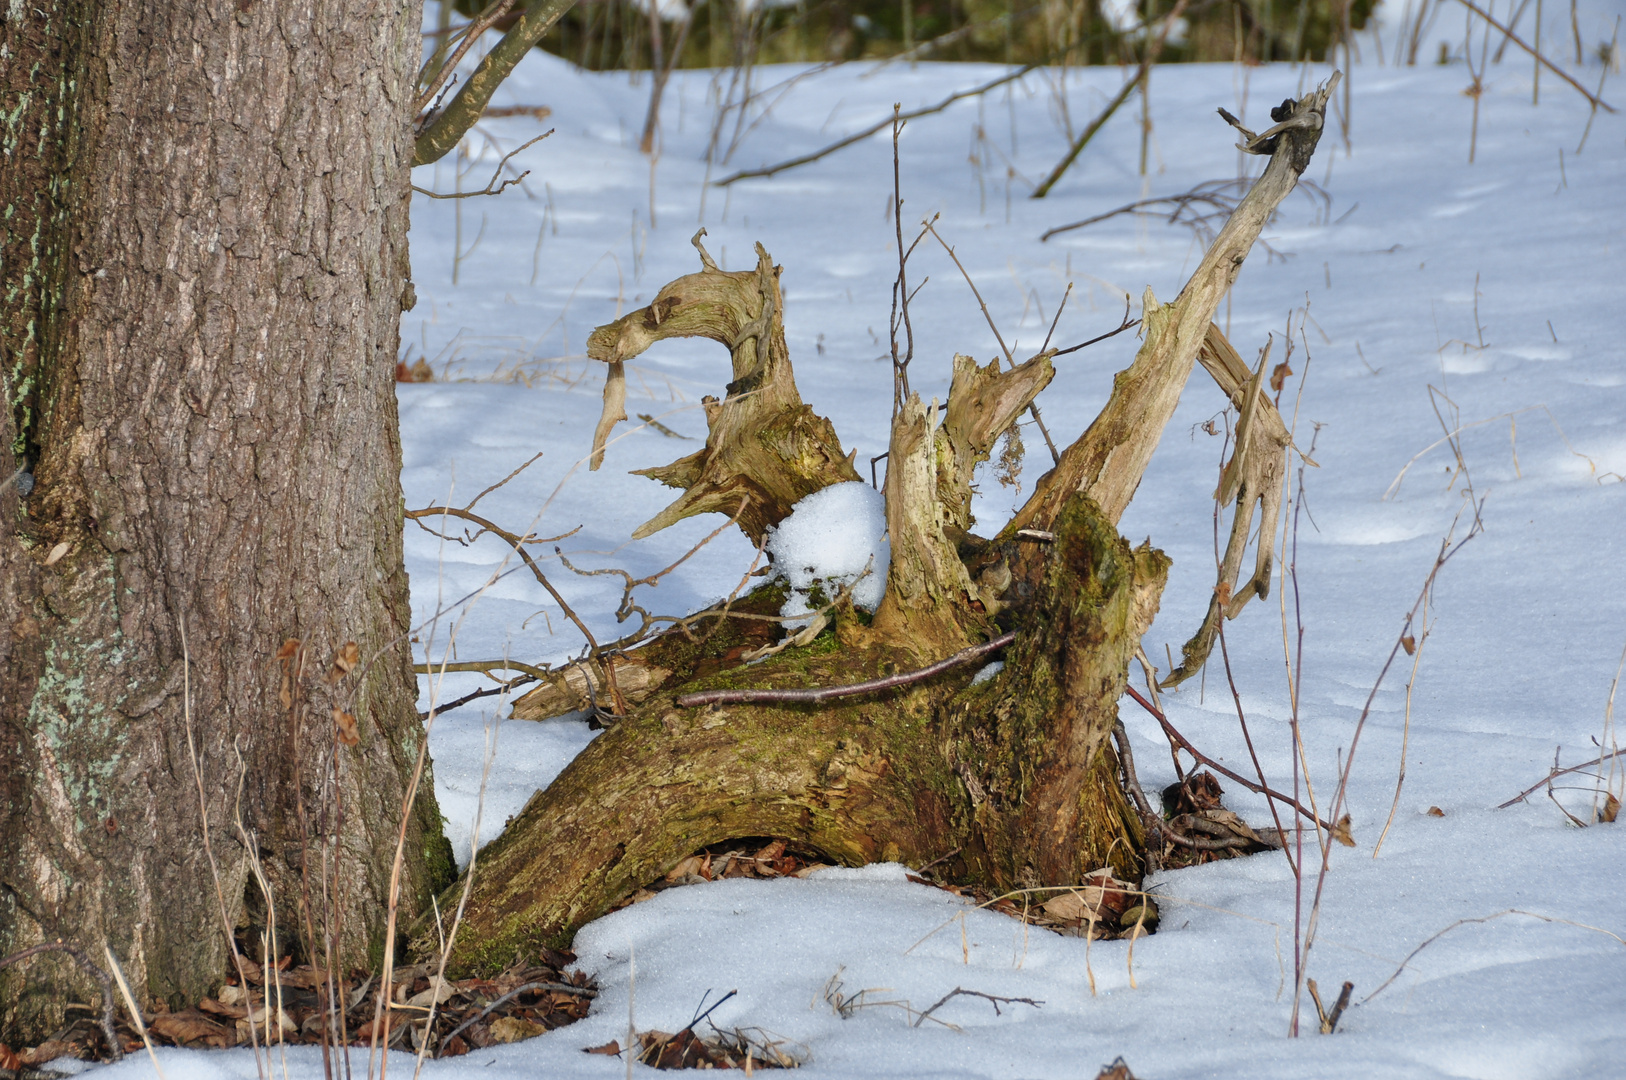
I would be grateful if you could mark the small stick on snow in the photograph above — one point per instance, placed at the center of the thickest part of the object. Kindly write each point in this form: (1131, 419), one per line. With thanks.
(825, 693)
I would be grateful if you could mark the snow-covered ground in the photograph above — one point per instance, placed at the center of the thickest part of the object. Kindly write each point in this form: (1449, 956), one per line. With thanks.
(1500, 284)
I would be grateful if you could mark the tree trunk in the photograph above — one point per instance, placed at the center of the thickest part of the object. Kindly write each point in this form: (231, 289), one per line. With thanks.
(205, 263)
(1011, 782)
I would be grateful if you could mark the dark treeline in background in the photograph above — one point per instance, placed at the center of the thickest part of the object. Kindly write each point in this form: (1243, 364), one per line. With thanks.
(620, 35)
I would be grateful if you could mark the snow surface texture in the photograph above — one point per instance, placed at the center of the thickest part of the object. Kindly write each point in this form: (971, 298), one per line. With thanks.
(1527, 628)
(832, 539)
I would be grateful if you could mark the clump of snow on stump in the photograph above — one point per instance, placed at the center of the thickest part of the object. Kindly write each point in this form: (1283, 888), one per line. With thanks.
(828, 540)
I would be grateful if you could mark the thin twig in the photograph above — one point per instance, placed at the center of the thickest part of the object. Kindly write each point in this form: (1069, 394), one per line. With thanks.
(991, 998)
(1483, 919)
(824, 693)
(1033, 407)
(471, 32)
(476, 695)
(488, 189)
(553, 987)
(841, 144)
(1126, 324)
(1597, 102)
(1204, 759)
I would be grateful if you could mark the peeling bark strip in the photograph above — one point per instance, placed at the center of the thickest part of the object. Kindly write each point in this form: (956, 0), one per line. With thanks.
(198, 366)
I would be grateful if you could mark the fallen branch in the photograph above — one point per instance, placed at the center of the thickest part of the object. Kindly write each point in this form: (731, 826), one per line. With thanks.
(825, 693)
(551, 987)
(841, 144)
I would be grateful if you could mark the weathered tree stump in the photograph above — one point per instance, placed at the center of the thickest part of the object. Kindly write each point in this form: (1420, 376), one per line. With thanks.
(1015, 776)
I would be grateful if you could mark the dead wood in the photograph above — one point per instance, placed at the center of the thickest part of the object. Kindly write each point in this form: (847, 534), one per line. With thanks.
(1110, 457)
(1015, 774)
(764, 445)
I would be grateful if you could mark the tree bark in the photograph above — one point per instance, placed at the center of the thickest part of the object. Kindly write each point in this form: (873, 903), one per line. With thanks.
(205, 264)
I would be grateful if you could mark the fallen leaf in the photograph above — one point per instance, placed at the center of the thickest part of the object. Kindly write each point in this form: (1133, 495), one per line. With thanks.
(1409, 643)
(1341, 832)
(220, 1008)
(511, 1029)
(1611, 809)
(190, 1026)
(438, 994)
(56, 553)
(1069, 906)
(612, 1048)
(692, 867)
(346, 723)
(289, 647)
(1435, 811)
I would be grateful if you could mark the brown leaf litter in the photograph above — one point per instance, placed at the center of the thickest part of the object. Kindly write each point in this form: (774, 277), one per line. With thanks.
(286, 1004)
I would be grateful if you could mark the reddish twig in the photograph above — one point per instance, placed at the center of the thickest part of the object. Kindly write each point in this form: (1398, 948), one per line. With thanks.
(1555, 774)
(814, 695)
(1204, 759)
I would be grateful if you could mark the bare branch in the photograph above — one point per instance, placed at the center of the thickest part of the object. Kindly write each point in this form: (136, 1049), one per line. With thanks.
(770, 170)
(488, 189)
(825, 693)
(1597, 102)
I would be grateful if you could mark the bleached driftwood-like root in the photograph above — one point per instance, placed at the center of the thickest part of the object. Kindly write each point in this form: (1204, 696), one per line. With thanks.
(931, 598)
(764, 444)
(1253, 477)
(1109, 459)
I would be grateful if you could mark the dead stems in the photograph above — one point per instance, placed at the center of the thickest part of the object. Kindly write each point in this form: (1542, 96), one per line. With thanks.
(1153, 48)
(1482, 919)
(1448, 548)
(1593, 99)
(1555, 773)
